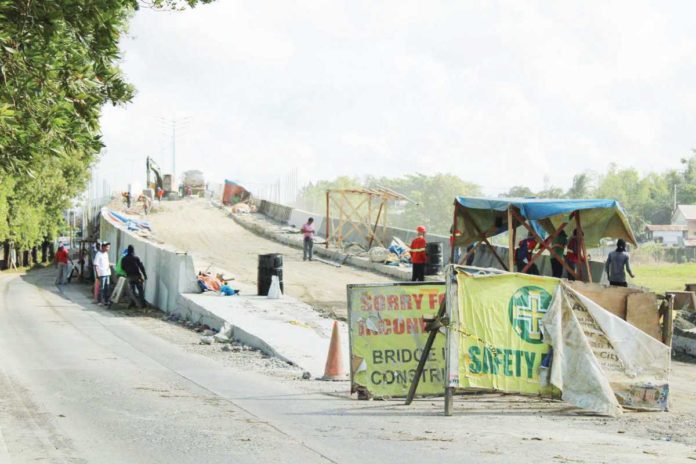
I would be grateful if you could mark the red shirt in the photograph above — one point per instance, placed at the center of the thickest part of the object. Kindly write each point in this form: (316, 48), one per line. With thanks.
(572, 253)
(418, 255)
(62, 256)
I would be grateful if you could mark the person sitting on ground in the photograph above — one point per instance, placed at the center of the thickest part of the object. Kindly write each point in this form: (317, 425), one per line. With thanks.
(208, 283)
(617, 264)
(136, 275)
(226, 290)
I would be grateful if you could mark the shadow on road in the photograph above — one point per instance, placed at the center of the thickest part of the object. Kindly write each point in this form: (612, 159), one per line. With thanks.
(81, 293)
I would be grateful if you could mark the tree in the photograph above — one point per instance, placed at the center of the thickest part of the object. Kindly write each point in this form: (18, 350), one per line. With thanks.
(58, 68)
(580, 188)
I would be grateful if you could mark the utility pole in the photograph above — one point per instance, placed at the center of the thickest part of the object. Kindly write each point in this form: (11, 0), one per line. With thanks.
(174, 124)
(173, 150)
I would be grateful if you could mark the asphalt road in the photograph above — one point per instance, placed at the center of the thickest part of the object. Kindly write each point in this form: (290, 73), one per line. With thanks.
(80, 384)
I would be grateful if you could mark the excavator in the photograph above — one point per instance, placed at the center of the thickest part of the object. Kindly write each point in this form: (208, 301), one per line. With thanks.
(157, 181)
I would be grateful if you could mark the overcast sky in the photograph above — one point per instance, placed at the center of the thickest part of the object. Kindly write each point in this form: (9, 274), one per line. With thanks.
(498, 93)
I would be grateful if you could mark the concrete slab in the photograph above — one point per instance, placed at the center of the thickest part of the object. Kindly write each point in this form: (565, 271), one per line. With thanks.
(285, 327)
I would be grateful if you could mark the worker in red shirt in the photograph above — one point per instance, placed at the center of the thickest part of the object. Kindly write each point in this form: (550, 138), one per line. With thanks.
(418, 255)
(61, 259)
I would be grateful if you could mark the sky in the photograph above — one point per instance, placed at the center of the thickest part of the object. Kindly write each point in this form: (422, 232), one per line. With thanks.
(498, 93)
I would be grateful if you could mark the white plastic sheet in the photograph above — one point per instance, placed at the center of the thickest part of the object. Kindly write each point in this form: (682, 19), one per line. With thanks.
(601, 362)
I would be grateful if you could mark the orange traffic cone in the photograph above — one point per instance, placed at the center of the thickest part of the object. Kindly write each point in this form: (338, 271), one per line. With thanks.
(334, 361)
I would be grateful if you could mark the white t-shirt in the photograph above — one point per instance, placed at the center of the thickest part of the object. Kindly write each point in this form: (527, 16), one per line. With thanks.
(101, 264)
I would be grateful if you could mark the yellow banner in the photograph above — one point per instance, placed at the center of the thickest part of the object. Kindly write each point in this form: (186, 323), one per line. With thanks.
(387, 335)
(499, 331)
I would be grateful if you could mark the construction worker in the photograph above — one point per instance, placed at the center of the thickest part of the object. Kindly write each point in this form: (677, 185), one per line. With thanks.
(61, 258)
(617, 265)
(418, 255)
(572, 254)
(136, 275)
(308, 242)
(103, 270)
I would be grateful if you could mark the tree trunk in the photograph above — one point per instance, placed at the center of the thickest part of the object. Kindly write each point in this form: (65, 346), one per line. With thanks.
(34, 253)
(25, 258)
(51, 252)
(44, 251)
(6, 254)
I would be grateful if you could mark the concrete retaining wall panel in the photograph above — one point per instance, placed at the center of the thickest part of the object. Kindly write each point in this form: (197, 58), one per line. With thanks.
(169, 273)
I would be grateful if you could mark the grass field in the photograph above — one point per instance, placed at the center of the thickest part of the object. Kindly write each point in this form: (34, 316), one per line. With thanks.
(663, 277)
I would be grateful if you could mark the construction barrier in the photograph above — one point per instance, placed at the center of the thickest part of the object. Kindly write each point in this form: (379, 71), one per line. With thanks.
(169, 273)
(387, 335)
(518, 333)
(496, 332)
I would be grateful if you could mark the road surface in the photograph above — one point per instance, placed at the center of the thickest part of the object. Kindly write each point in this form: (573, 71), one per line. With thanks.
(213, 238)
(81, 384)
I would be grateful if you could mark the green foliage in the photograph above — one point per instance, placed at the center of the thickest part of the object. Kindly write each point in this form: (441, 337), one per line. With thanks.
(647, 199)
(434, 196)
(58, 68)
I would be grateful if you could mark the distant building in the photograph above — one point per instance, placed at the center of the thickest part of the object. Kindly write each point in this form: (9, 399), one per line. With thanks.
(685, 215)
(667, 234)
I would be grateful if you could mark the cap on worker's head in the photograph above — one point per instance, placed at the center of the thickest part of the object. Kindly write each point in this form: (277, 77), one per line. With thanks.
(420, 229)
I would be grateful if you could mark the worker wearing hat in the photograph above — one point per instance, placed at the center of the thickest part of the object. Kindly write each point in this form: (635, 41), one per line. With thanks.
(418, 255)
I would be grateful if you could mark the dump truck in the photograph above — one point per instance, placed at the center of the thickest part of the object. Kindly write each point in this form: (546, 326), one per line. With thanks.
(193, 183)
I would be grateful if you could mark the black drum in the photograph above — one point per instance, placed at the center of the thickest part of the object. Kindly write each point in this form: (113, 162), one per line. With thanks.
(269, 265)
(435, 262)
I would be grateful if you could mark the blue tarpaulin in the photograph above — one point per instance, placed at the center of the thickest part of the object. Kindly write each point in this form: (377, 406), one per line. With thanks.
(599, 218)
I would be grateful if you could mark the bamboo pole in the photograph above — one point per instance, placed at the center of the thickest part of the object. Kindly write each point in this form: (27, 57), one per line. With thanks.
(511, 240)
(328, 219)
(582, 247)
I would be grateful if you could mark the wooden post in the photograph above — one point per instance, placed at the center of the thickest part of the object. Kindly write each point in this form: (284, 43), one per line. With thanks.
(374, 229)
(454, 237)
(434, 329)
(511, 240)
(328, 219)
(667, 319)
(583, 255)
(385, 202)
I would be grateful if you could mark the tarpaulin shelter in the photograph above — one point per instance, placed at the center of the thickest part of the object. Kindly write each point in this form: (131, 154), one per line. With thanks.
(233, 193)
(477, 219)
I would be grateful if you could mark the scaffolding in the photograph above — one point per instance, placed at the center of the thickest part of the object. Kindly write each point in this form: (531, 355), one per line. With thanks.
(362, 215)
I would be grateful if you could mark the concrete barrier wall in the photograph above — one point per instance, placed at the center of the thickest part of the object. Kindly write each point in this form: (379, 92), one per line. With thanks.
(169, 273)
(275, 211)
